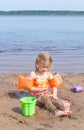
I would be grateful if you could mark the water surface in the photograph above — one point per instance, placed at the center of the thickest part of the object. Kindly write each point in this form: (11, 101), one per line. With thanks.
(23, 37)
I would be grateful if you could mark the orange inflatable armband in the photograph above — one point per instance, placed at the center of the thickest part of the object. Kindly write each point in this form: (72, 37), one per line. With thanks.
(24, 83)
(52, 82)
(56, 81)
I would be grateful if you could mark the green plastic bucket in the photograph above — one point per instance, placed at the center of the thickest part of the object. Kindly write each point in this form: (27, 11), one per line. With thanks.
(28, 105)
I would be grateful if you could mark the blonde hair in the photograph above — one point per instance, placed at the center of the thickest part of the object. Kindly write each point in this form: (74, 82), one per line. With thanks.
(44, 57)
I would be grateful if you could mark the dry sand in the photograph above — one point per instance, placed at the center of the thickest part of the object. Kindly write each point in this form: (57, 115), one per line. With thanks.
(11, 117)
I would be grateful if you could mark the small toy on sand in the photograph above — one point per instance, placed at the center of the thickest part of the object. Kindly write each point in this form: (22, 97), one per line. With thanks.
(77, 89)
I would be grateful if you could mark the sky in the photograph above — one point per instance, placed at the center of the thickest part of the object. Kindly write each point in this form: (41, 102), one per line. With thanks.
(8, 5)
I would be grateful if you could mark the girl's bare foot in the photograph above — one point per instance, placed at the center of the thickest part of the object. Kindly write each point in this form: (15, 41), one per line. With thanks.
(62, 113)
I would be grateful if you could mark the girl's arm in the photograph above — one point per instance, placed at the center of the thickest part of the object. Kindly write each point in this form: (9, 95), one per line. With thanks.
(55, 82)
(54, 93)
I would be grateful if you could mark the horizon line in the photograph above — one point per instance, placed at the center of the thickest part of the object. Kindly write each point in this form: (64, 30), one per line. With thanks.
(42, 10)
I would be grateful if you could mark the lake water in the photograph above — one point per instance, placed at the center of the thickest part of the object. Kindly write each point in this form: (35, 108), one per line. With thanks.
(23, 37)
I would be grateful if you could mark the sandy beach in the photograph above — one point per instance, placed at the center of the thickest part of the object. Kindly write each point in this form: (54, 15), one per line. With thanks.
(11, 117)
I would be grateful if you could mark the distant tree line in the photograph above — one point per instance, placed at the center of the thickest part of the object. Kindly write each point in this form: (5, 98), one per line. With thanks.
(42, 12)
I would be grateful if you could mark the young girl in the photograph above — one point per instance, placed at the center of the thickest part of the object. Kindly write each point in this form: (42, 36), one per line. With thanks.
(43, 85)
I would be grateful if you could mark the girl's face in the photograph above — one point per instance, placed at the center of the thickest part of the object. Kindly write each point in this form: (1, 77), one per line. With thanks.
(42, 67)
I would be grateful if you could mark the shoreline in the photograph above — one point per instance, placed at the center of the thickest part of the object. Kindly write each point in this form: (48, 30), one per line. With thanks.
(26, 73)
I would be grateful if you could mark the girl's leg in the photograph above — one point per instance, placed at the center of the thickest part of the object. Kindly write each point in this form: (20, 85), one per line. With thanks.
(48, 104)
(66, 105)
(63, 106)
(39, 102)
(58, 103)
(53, 105)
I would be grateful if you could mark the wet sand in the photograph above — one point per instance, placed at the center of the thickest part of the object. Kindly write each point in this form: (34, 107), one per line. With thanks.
(11, 117)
